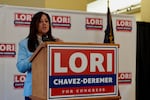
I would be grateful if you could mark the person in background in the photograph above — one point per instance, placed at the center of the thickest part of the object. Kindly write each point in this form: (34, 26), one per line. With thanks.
(40, 31)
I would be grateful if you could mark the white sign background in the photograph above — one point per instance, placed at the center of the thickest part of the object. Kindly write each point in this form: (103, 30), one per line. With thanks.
(77, 33)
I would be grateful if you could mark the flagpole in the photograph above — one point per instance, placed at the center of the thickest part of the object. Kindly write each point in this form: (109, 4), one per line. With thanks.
(108, 3)
(110, 37)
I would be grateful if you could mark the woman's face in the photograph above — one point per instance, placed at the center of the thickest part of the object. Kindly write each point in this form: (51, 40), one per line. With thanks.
(43, 26)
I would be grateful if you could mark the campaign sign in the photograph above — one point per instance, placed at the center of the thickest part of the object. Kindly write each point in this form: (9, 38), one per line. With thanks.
(82, 71)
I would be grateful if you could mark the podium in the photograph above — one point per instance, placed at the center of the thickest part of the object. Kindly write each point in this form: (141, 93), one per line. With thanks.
(71, 71)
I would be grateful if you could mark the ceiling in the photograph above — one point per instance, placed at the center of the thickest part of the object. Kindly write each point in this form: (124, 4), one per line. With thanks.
(115, 5)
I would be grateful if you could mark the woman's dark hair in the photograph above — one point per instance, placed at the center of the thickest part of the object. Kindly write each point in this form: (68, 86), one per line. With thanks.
(32, 37)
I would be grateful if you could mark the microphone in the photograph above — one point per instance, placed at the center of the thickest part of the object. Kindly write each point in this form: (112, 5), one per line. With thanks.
(46, 38)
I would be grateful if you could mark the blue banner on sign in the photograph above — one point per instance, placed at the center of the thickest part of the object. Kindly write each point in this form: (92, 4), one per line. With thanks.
(82, 80)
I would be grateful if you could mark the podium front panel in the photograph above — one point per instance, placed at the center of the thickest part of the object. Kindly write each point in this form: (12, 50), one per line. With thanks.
(81, 71)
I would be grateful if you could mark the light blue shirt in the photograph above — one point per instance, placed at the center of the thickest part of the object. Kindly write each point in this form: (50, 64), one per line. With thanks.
(24, 65)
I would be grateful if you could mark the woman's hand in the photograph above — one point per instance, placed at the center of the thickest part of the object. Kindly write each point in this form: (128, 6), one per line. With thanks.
(58, 40)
